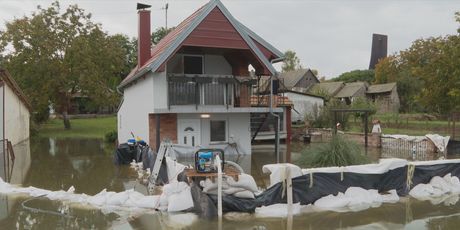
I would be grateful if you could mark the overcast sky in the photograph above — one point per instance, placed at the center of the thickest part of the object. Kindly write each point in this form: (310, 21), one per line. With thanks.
(331, 36)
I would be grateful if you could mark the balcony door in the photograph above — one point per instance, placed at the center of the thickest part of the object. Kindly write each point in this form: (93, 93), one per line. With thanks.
(189, 132)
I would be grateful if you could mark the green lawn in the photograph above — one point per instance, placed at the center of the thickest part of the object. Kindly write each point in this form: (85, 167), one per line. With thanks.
(81, 128)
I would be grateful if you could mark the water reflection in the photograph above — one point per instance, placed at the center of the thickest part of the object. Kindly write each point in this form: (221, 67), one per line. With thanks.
(56, 164)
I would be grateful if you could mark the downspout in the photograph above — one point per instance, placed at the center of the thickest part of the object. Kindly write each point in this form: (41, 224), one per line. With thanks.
(277, 138)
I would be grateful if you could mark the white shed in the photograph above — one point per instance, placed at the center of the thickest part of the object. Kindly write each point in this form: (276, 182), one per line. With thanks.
(304, 103)
(14, 111)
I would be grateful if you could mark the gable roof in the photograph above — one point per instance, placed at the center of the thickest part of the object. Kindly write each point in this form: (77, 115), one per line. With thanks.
(291, 78)
(350, 89)
(6, 78)
(171, 43)
(381, 88)
(332, 88)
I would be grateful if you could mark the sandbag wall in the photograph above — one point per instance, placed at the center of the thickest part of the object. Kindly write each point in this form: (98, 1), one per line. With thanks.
(311, 186)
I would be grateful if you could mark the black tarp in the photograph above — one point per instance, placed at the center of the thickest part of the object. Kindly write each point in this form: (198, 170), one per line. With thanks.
(330, 183)
(125, 154)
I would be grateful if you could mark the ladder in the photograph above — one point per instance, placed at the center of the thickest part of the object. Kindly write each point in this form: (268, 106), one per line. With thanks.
(165, 148)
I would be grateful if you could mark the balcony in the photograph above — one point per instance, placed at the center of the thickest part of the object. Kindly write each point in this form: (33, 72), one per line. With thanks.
(209, 90)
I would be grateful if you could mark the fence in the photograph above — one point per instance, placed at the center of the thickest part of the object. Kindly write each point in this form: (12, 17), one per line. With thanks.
(423, 148)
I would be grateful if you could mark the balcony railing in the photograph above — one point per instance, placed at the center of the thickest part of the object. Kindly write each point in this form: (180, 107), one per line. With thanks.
(225, 90)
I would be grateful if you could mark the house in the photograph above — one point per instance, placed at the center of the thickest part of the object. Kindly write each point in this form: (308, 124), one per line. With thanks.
(385, 97)
(303, 104)
(299, 80)
(327, 88)
(351, 91)
(15, 111)
(194, 86)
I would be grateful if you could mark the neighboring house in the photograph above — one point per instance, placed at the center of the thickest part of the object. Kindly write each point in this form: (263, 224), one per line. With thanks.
(385, 97)
(329, 88)
(14, 111)
(194, 86)
(303, 104)
(351, 91)
(302, 101)
(299, 80)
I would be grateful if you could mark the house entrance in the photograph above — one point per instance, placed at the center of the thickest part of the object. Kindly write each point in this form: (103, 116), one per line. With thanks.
(189, 132)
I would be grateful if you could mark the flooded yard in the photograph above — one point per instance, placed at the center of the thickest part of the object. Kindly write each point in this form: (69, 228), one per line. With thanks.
(87, 165)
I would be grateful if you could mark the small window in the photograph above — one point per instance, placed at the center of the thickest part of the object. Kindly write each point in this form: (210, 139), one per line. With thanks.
(193, 65)
(218, 131)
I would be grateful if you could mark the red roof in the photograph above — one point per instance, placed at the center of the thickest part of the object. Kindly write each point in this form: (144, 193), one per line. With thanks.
(209, 26)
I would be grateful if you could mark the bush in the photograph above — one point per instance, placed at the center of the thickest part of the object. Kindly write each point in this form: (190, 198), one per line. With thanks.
(339, 152)
(111, 137)
(322, 117)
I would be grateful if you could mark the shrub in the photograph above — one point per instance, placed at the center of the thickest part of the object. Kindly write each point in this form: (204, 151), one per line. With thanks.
(322, 117)
(339, 152)
(111, 137)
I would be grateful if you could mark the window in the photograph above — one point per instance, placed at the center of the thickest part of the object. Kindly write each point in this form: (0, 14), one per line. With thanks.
(218, 131)
(193, 64)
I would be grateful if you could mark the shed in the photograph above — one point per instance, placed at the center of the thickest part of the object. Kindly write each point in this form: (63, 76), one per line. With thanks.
(14, 111)
(331, 88)
(352, 90)
(299, 80)
(385, 96)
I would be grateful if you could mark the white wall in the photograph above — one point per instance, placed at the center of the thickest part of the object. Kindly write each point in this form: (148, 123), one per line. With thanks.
(213, 64)
(303, 104)
(138, 102)
(1, 112)
(160, 91)
(16, 117)
(216, 64)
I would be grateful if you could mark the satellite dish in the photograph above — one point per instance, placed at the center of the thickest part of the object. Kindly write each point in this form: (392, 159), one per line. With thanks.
(141, 6)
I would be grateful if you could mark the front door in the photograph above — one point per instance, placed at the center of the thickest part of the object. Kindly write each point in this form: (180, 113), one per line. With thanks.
(189, 132)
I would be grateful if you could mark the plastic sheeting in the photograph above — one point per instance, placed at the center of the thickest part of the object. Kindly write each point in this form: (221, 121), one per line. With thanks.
(126, 153)
(390, 174)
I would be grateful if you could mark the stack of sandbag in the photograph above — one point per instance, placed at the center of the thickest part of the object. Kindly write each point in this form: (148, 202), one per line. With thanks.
(438, 186)
(278, 172)
(244, 187)
(176, 197)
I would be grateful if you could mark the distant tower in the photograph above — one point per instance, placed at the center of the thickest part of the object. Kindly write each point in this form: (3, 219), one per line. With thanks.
(379, 49)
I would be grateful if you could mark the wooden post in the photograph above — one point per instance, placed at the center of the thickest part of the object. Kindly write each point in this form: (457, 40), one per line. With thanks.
(277, 139)
(289, 190)
(366, 128)
(289, 133)
(219, 187)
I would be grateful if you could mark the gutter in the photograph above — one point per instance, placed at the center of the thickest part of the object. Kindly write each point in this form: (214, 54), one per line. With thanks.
(277, 138)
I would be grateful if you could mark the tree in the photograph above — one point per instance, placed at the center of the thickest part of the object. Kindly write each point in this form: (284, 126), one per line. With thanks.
(56, 55)
(356, 75)
(291, 62)
(160, 33)
(427, 74)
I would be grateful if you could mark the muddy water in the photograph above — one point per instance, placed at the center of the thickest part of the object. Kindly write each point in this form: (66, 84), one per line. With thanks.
(87, 165)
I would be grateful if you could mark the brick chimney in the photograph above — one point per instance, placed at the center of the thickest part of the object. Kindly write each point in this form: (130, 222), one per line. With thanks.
(143, 39)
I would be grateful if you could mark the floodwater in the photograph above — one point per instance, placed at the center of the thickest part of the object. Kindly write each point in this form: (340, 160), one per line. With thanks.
(87, 165)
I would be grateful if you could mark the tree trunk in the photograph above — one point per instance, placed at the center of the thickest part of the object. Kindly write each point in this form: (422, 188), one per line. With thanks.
(65, 118)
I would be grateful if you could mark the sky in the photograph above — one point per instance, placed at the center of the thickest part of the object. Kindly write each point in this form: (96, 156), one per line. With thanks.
(332, 36)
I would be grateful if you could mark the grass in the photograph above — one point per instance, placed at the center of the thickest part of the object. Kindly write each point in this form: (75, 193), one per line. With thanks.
(338, 152)
(81, 128)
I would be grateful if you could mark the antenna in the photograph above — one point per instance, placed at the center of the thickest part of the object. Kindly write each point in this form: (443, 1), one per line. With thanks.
(166, 14)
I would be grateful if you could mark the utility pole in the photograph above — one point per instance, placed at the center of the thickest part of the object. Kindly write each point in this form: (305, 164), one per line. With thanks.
(166, 14)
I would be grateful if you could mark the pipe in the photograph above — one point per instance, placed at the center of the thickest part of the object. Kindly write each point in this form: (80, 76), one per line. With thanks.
(277, 138)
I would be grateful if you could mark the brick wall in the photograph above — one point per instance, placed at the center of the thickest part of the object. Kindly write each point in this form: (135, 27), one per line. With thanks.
(168, 128)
